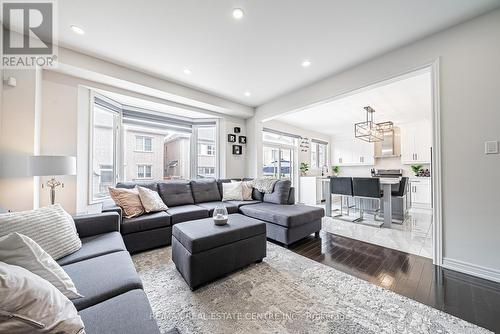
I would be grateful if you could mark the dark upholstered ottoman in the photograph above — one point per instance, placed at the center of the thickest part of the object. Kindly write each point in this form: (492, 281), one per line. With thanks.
(203, 251)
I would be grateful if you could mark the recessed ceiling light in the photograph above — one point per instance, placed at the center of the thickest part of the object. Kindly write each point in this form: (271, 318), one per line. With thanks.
(247, 94)
(238, 13)
(187, 71)
(306, 63)
(77, 30)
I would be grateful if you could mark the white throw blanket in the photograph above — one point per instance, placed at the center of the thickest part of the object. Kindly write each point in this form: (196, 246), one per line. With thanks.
(264, 185)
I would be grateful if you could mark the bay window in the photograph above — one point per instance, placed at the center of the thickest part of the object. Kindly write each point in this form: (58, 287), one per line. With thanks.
(129, 143)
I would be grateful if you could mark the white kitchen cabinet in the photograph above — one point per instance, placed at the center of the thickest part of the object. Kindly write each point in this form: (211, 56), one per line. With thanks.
(353, 152)
(311, 190)
(416, 143)
(421, 192)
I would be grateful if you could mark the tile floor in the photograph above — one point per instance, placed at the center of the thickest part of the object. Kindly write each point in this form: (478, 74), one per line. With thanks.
(414, 236)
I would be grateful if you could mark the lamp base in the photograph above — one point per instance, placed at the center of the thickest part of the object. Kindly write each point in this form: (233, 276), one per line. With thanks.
(53, 184)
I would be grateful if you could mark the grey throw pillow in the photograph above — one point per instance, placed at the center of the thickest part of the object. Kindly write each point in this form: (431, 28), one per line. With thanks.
(280, 194)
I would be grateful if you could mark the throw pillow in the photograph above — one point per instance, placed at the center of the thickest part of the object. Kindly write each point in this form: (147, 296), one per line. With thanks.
(30, 304)
(232, 191)
(247, 190)
(20, 250)
(128, 200)
(151, 200)
(50, 227)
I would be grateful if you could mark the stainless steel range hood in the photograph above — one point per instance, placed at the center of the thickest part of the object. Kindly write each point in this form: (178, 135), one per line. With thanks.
(390, 147)
(388, 144)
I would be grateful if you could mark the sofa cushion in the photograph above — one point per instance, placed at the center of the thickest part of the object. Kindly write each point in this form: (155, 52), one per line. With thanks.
(280, 193)
(210, 206)
(198, 236)
(148, 221)
(284, 215)
(186, 212)
(176, 192)
(257, 195)
(94, 246)
(241, 203)
(128, 313)
(131, 185)
(102, 278)
(205, 190)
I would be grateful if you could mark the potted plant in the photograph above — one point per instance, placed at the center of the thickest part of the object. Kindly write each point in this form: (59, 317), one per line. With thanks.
(335, 170)
(304, 167)
(416, 169)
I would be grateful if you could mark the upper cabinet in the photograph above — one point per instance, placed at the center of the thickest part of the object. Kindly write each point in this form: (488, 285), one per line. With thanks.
(352, 152)
(416, 143)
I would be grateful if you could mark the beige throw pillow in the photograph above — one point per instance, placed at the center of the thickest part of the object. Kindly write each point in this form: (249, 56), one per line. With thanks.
(20, 250)
(151, 200)
(232, 191)
(50, 227)
(247, 189)
(128, 200)
(30, 304)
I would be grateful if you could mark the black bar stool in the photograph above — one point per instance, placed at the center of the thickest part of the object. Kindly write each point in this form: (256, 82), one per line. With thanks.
(367, 188)
(401, 192)
(341, 186)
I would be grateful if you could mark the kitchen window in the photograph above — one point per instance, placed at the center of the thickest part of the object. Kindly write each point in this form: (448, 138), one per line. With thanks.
(144, 172)
(319, 154)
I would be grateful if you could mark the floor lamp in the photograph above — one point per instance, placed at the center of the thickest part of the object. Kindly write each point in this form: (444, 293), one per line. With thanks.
(51, 165)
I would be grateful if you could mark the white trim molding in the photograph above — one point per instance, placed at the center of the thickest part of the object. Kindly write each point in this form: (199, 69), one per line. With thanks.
(472, 269)
(437, 205)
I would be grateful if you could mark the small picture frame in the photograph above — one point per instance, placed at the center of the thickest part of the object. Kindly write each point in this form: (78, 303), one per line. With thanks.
(242, 139)
(237, 149)
(237, 130)
(231, 138)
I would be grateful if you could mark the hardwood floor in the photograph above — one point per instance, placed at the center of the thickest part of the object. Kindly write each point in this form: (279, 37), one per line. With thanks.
(470, 298)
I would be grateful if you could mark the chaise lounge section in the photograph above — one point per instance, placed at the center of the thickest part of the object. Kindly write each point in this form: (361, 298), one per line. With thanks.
(114, 301)
(286, 221)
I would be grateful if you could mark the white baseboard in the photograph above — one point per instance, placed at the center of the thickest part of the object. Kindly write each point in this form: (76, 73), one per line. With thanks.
(472, 269)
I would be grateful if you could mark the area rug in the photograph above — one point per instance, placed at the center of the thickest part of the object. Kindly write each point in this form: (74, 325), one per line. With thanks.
(286, 293)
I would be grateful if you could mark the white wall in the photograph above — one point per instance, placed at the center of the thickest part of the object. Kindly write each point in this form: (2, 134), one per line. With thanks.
(232, 166)
(470, 114)
(59, 131)
(20, 124)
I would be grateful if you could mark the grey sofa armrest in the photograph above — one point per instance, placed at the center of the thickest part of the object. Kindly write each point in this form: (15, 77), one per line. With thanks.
(291, 196)
(110, 206)
(93, 224)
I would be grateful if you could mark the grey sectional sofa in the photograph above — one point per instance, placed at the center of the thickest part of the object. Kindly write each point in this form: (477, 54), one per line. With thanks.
(113, 302)
(286, 221)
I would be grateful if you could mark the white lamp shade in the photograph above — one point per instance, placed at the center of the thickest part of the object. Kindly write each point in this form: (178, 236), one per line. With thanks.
(51, 165)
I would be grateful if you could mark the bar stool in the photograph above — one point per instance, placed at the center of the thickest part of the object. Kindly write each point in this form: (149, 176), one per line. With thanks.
(367, 188)
(401, 192)
(341, 186)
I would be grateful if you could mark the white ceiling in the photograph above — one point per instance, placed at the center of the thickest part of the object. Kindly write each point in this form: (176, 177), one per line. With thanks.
(262, 53)
(404, 101)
